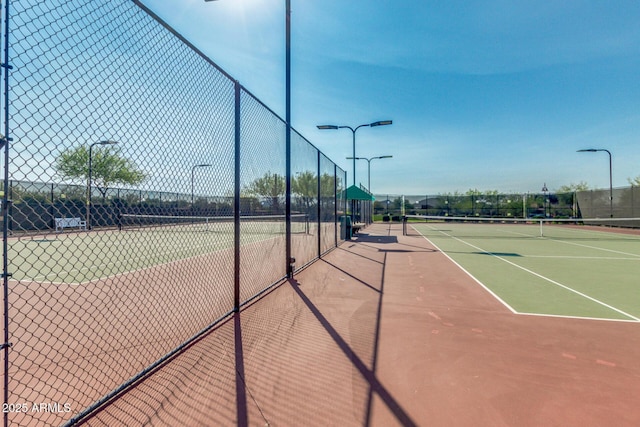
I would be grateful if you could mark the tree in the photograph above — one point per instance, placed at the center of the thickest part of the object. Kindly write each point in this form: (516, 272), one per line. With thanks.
(327, 186)
(271, 186)
(566, 196)
(581, 186)
(635, 181)
(108, 167)
(305, 185)
(397, 204)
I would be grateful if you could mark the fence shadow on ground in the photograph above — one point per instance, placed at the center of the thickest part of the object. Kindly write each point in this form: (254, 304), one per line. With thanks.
(293, 357)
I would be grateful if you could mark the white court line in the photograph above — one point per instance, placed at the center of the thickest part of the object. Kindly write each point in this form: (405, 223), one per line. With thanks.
(635, 256)
(139, 268)
(576, 317)
(599, 258)
(118, 262)
(528, 271)
(583, 245)
(503, 302)
(597, 248)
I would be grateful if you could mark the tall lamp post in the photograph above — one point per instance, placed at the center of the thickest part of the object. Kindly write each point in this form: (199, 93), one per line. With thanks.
(593, 150)
(353, 131)
(369, 166)
(193, 171)
(545, 202)
(89, 173)
(369, 178)
(289, 259)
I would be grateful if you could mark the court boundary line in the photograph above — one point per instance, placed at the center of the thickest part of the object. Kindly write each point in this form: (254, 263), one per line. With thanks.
(597, 258)
(632, 319)
(124, 273)
(564, 316)
(636, 256)
(540, 276)
(557, 240)
(500, 300)
(96, 266)
(93, 267)
(572, 230)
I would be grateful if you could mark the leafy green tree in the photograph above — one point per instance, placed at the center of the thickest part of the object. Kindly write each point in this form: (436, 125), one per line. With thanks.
(305, 185)
(566, 198)
(396, 204)
(108, 167)
(271, 186)
(581, 186)
(635, 181)
(327, 185)
(379, 206)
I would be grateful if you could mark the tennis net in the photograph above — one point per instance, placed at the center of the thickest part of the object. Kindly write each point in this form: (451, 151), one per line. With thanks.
(254, 224)
(504, 227)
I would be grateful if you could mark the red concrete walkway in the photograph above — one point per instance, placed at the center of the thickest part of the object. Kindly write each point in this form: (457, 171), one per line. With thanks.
(385, 331)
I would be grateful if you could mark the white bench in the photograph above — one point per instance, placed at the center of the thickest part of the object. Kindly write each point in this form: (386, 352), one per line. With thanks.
(62, 223)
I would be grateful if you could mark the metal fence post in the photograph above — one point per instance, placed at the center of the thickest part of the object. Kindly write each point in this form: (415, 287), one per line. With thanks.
(236, 202)
(289, 258)
(5, 214)
(150, 214)
(319, 207)
(335, 203)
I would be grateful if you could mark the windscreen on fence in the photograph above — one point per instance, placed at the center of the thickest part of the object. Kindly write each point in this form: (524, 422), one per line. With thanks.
(138, 201)
(520, 229)
(610, 203)
(477, 204)
(621, 202)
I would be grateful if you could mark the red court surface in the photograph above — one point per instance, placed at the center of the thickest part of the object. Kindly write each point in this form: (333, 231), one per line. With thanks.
(386, 331)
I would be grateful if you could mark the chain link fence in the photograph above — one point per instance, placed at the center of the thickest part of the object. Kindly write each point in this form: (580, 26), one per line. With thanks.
(390, 206)
(610, 203)
(623, 202)
(143, 201)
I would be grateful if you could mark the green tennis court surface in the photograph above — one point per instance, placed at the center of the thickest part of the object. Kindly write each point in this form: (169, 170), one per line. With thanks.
(74, 258)
(569, 271)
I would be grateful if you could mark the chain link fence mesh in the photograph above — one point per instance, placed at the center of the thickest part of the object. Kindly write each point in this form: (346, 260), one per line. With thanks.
(305, 185)
(623, 202)
(487, 205)
(263, 183)
(120, 221)
(329, 204)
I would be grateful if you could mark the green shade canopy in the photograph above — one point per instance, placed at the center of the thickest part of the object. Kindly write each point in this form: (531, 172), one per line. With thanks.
(356, 193)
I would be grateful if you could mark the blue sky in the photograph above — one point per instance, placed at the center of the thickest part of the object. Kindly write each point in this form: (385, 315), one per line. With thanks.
(487, 95)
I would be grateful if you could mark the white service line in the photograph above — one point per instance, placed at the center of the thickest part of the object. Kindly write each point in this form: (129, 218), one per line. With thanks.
(597, 248)
(532, 273)
(599, 258)
(511, 309)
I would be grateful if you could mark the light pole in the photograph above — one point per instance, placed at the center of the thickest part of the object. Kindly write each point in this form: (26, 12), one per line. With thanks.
(369, 166)
(89, 173)
(545, 190)
(193, 171)
(289, 259)
(353, 131)
(593, 150)
(369, 176)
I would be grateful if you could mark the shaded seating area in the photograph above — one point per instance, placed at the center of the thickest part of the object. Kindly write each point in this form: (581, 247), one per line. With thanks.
(360, 203)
